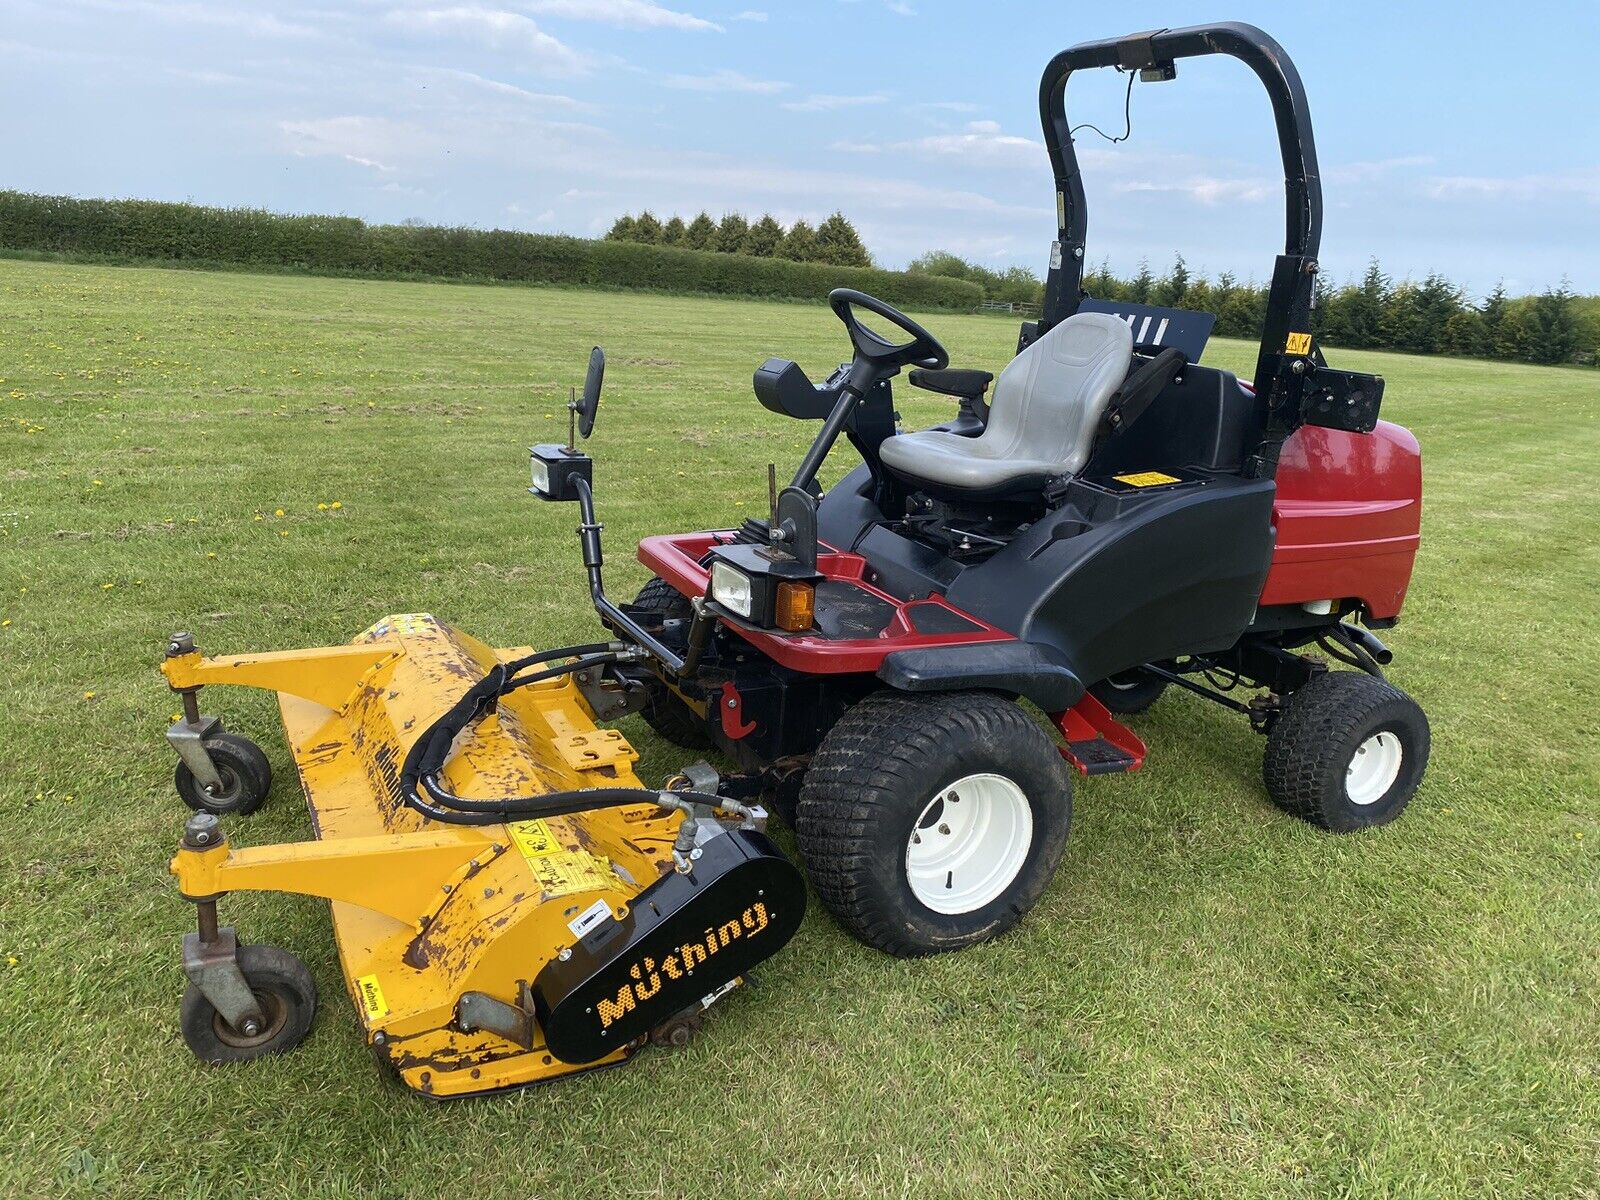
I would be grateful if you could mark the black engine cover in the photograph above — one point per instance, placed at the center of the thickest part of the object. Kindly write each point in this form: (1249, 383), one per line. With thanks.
(684, 937)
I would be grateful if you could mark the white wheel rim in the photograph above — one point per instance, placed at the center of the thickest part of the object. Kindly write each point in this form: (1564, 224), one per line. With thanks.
(968, 843)
(1373, 768)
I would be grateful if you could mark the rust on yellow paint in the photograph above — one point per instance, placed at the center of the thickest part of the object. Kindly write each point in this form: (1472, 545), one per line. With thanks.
(423, 911)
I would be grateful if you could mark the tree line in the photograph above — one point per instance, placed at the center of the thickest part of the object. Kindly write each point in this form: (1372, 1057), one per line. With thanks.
(1434, 316)
(834, 242)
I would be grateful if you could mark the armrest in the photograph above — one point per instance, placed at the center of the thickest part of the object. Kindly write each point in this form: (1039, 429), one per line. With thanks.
(1142, 386)
(967, 384)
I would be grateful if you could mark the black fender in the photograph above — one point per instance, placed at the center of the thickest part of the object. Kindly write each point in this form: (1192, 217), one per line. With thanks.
(1036, 672)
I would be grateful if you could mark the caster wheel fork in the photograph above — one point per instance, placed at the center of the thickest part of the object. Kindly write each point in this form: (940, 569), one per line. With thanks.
(243, 1001)
(217, 771)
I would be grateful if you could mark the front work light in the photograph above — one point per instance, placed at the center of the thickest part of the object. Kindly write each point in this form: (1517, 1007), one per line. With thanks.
(554, 470)
(731, 588)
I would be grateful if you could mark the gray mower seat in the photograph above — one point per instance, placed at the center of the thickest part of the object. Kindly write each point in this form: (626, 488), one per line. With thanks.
(1043, 418)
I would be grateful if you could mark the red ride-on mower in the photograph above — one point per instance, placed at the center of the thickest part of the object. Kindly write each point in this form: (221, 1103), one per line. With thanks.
(513, 905)
(1116, 520)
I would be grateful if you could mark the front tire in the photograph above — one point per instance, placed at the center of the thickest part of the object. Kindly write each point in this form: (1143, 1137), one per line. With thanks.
(886, 840)
(1347, 752)
(664, 710)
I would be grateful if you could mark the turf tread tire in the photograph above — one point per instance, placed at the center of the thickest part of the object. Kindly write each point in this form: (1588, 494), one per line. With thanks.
(1313, 738)
(867, 785)
(1131, 700)
(664, 712)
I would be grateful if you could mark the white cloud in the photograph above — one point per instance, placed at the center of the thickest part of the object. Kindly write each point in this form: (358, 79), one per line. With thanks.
(500, 88)
(750, 14)
(1583, 183)
(825, 103)
(723, 81)
(900, 8)
(364, 141)
(182, 12)
(981, 144)
(624, 14)
(1208, 190)
(499, 29)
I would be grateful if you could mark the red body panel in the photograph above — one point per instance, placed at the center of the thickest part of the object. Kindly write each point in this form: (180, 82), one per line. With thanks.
(675, 557)
(1348, 515)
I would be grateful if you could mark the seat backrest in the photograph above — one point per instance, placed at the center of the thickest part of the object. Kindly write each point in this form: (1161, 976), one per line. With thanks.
(1048, 402)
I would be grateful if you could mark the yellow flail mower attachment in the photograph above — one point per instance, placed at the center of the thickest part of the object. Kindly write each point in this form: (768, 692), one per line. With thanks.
(510, 903)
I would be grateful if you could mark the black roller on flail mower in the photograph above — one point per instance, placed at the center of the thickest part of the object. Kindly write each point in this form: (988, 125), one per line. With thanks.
(1115, 521)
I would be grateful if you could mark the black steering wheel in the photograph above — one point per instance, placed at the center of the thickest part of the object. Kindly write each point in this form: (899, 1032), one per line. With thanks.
(885, 358)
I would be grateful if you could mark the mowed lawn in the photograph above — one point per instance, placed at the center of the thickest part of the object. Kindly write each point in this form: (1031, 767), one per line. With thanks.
(1212, 998)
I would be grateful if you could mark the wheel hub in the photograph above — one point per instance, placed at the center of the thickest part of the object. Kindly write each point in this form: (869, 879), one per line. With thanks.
(275, 1011)
(1373, 768)
(969, 843)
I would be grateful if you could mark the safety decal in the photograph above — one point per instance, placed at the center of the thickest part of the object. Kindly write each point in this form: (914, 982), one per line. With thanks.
(371, 995)
(534, 839)
(590, 917)
(1146, 479)
(1298, 343)
(570, 871)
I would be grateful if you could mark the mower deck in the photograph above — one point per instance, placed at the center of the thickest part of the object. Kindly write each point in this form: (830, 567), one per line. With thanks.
(426, 915)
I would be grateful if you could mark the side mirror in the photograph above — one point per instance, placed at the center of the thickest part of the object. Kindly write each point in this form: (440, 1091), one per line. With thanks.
(589, 404)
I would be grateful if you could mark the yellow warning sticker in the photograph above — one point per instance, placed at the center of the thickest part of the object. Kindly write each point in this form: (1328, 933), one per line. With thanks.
(534, 838)
(1146, 479)
(1298, 343)
(372, 1001)
(570, 871)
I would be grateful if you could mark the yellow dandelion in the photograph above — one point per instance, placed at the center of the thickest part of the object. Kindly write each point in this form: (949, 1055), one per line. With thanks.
(106, 587)
(322, 508)
(6, 624)
(277, 512)
(89, 695)
(98, 483)
(211, 553)
(283, 533)
(336, 505)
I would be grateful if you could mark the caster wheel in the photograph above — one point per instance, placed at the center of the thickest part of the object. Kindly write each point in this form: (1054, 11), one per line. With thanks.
(246, 777)
(288, 999)
(677, 1032)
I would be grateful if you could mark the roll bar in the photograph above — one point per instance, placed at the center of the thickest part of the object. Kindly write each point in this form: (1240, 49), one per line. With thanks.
(1154, 55)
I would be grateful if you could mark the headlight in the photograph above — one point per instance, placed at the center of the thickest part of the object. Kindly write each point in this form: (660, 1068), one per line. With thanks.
(731, 588)
(541, 476)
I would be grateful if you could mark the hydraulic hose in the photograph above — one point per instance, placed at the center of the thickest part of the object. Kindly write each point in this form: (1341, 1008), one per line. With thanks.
(428, 754)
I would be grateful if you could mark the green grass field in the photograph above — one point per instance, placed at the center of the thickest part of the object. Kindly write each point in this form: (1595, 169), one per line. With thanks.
(1212, 999)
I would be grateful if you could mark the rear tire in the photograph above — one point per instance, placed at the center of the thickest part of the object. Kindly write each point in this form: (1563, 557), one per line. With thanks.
(664, 711)
(889, 851)
(1347, 752)
(1130, 692)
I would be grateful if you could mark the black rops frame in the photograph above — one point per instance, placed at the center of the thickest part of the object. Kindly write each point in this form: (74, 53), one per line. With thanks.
(1292, 381)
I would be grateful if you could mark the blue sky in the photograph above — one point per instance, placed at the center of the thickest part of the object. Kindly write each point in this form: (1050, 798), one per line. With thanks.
(1456, 137)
